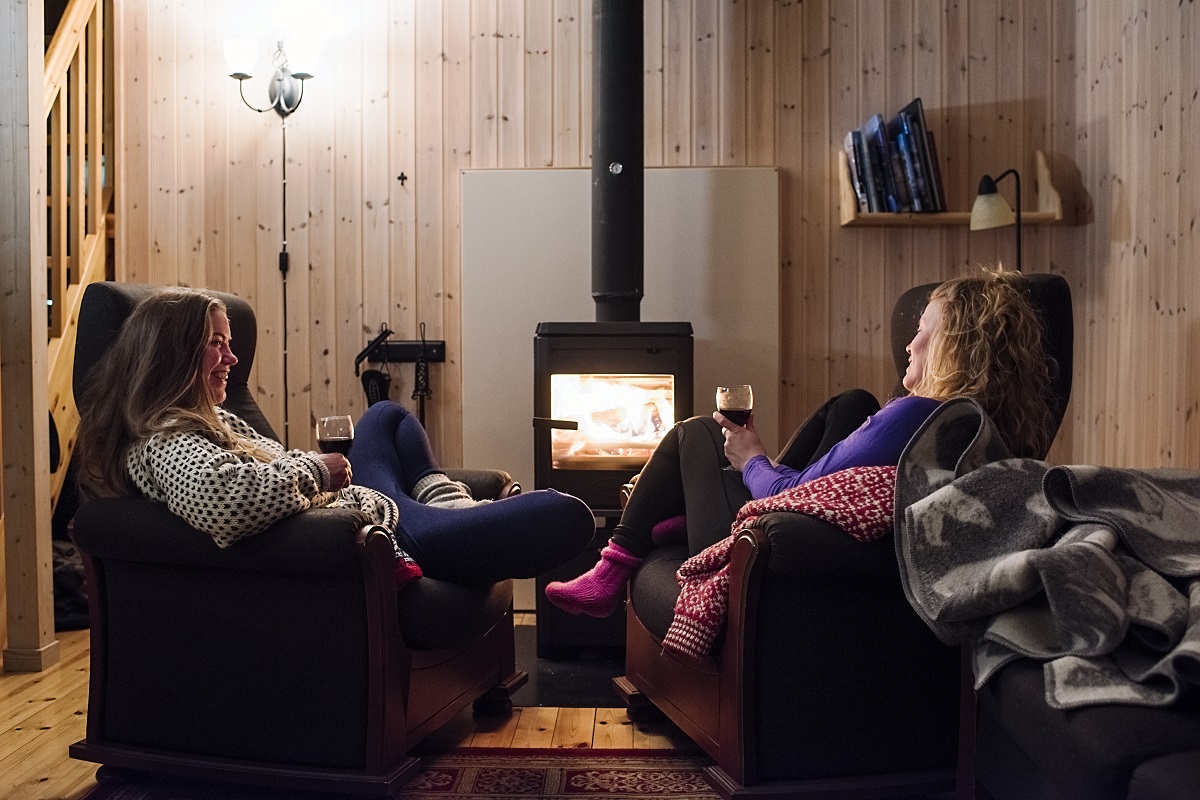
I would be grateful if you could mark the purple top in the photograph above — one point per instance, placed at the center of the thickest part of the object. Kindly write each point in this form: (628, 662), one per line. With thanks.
(878, 442)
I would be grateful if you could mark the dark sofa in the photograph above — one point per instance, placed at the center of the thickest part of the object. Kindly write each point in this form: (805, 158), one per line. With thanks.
(1027, 750)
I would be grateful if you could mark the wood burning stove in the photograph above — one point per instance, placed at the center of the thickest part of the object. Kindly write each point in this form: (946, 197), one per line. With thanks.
(605, 393)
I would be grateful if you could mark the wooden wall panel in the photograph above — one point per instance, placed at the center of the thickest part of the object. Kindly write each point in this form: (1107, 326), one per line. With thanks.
(1106, 89)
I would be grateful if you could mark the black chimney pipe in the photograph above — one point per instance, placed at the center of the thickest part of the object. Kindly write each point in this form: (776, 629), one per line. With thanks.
(618, 222)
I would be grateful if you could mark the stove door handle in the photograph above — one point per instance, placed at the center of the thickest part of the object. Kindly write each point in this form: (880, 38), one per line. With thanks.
(545, 424)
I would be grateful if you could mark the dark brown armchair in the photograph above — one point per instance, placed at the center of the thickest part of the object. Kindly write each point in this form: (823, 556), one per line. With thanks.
(826, 683)
(287, 660)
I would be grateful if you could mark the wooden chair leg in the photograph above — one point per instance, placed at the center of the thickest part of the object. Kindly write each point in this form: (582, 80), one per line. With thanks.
(637, 706)
(965, 779)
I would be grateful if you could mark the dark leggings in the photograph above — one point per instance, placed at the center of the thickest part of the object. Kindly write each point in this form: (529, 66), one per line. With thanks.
(689, 474)
(517, 537)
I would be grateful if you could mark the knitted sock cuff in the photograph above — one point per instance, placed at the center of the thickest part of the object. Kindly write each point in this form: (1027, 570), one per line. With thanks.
(619, 555)
(426, 483)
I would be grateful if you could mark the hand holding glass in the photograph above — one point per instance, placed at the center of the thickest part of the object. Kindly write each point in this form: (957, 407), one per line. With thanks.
(335, 434)
(735, 403)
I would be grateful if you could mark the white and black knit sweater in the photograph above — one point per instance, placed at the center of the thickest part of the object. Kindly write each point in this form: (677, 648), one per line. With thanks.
(230, 495)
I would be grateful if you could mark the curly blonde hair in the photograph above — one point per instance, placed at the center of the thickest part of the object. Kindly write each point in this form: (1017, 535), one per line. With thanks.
(149, 382)
(990, 349)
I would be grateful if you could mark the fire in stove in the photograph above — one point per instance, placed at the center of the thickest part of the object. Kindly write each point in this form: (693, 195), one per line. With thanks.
(620, 419)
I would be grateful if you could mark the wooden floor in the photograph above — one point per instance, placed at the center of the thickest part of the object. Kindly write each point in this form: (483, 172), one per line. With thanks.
(41, 714)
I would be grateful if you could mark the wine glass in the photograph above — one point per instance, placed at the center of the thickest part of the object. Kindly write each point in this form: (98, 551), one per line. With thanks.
(335, 434)
(736, 402)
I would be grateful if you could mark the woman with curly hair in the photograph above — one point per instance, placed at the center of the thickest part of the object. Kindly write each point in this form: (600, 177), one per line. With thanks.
(979, 337)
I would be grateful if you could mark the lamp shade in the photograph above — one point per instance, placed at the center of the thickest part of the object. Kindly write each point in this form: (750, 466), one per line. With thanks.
(991, 210)
(241, 55)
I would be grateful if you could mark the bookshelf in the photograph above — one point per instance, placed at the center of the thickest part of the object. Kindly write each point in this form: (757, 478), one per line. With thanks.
(1049, 204)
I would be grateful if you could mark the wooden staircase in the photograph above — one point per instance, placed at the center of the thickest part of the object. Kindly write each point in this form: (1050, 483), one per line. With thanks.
(72, 243)
(77, 65)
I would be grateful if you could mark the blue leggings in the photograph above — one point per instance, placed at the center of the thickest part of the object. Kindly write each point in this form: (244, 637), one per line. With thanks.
(522, 536)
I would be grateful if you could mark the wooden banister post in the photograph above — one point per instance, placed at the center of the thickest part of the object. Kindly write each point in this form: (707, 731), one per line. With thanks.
(23, 392)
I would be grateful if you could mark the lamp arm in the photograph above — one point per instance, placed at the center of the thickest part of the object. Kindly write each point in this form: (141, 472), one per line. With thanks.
(242, 94)
(1016, 177)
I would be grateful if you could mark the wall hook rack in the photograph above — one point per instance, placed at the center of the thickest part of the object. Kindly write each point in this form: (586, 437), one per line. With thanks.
(400, 351)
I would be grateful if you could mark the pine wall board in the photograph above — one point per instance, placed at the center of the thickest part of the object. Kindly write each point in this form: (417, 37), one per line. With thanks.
(1107, 89)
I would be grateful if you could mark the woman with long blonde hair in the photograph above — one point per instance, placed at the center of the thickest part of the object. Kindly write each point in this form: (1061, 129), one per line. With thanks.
(152, 425)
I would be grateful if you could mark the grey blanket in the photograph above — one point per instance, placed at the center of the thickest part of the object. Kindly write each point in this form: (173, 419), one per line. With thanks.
(1093, 570)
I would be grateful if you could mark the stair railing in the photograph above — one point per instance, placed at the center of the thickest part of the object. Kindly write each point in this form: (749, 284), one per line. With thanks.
(80, 161)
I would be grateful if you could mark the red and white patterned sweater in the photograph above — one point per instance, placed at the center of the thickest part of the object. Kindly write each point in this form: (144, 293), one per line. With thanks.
(859, 500)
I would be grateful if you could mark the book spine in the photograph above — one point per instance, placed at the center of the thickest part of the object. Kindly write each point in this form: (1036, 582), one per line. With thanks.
(911, 171)
(872, 176)
(889, 168)
(935, 171)
(857, 178)
(902, 202)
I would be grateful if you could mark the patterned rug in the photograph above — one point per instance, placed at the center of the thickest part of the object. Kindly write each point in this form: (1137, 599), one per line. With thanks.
(475, 773)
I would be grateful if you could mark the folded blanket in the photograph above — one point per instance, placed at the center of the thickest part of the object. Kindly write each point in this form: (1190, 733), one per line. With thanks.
(859, 500)
(1094, 571)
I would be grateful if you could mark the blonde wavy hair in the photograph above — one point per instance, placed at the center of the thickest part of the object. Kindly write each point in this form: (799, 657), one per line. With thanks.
(147, 383)
(990, 349)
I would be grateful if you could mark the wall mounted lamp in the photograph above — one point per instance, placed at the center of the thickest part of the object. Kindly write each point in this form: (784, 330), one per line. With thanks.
(285, 93)
(991, 210)
(286, 89)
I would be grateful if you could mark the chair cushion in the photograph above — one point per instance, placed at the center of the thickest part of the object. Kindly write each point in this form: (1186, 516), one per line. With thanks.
(435, 614)
(654, 589)
(1173, 777)
(1090, 752)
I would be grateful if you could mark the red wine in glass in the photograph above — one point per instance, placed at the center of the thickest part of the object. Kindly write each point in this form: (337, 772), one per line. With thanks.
(335, 434)
(336, 444)
(738, 416)
(735, 403)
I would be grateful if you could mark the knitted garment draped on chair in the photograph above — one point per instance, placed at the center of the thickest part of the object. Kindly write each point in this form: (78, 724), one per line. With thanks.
(859, 500)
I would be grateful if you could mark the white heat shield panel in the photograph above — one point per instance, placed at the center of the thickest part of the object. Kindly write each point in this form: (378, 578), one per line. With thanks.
(712, 259)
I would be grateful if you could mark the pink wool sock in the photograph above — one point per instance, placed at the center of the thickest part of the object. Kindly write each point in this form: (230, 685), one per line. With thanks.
(600, 590)
(672, 530)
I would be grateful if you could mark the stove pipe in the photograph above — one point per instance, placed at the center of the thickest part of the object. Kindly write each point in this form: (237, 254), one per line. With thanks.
(618, 220)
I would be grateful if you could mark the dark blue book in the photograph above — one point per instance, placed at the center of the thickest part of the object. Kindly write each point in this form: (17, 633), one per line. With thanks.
(883, 154)
(917, 188)
(913, 116)
(910, 146)
(872, 172)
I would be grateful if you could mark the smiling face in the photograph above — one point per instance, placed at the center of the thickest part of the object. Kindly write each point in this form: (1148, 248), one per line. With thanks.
(218, 358)
(918, 349)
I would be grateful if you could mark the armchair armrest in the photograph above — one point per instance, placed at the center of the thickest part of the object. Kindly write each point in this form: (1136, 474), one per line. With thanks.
(806, 546)
(313, 542)
(486, 484)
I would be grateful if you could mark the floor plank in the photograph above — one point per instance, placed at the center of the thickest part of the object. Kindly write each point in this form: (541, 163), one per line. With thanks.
(574, 727)
(613, 731)
(535, 728)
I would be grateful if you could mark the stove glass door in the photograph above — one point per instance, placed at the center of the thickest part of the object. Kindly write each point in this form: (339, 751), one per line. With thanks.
(621, 419)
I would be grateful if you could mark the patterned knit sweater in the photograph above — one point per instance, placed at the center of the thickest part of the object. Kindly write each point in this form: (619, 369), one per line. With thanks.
(231, 495)
(860, 500)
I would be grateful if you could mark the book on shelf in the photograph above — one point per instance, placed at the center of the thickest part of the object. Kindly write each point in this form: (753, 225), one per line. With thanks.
(858, 179)
(895, 169)
(912, 117)
(885, 157)
(935, 172)
(918, 187)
